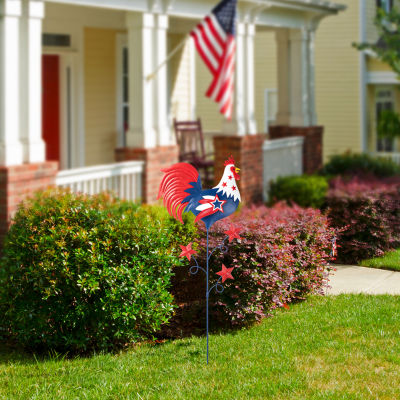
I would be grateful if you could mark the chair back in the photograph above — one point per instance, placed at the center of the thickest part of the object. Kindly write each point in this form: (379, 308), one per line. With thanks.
(189, 137)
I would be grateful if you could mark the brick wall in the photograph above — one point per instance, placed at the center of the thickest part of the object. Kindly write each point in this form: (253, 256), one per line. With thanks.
(155, 159)
(248, 155)
(312, 150)
(19, 182)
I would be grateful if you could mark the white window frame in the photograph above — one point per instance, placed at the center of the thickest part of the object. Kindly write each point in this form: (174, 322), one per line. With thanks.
(122, 42)
(392, 99)
(268, 118)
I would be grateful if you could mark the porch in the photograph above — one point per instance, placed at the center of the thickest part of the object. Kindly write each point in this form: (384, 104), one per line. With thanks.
(96, 107)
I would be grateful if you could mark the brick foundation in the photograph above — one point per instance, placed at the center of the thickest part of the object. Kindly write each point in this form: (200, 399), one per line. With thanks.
(312, 150)
(155, 159)
(248, 154)
(19, 182)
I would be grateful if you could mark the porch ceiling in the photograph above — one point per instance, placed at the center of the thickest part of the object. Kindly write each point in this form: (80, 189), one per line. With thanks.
(275, 13)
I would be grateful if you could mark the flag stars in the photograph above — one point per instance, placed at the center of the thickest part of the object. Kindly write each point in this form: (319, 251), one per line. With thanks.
(224, 184)
(230, 177)
(233, 187)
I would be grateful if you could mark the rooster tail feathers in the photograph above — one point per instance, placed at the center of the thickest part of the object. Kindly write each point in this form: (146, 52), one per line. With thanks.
(179, 180)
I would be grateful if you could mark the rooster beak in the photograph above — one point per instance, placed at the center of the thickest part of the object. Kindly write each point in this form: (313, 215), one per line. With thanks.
(237, 170)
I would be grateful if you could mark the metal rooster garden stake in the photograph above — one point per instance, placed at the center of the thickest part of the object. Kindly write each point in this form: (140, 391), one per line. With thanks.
(181, 191)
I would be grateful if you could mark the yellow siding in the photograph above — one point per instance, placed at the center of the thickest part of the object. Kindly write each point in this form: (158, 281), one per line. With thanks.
(337, 81)
(179, 79)
(371, 31)
(374, 65)
(265, 71)
(206, 109)
(100, 95)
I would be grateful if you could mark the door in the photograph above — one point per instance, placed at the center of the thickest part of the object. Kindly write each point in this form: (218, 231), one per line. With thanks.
(51, 106)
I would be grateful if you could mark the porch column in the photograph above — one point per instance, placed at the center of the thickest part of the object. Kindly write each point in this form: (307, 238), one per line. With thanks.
(160, 81)
(10, 145)
(243, 118)
(31, 81)
(141, 92)
(249, 72)
(295, 97)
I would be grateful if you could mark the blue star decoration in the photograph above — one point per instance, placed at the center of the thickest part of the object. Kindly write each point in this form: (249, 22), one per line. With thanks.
(217, 204)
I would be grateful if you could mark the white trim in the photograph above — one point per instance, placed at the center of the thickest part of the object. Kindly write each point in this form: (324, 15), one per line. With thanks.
(283, 143)
(193, 88)
(382, 78)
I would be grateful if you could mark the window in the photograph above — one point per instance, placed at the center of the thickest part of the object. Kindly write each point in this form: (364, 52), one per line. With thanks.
(386, 5)
(56, 40)
(122, 85)
(384, 100)
(270, 107)
(125, 93)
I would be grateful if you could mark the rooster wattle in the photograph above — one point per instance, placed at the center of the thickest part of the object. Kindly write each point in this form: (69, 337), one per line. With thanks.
(181, 191)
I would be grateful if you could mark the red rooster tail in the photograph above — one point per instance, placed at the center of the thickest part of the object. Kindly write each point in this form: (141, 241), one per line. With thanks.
(176, 180)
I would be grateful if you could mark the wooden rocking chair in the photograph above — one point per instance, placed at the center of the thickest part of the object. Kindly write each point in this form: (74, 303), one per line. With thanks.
(189, 137)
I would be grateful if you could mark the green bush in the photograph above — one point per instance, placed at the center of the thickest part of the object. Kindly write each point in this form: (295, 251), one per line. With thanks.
(356, 164)
(306, 190)
(81, 273)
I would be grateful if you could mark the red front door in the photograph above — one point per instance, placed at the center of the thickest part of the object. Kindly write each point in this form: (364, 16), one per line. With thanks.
(51, 106)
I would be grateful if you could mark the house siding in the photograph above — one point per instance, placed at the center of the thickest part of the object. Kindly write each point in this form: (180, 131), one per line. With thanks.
(265, 72)
(338, 81)
(180, 85)
(100, 95)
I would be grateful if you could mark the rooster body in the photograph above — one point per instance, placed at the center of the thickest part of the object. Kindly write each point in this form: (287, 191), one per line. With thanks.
(182, 191)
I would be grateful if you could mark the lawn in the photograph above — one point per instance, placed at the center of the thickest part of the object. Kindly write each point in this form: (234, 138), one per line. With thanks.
(345, 347)
(390, 260)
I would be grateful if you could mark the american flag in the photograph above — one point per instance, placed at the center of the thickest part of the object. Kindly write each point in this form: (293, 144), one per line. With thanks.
(215, 41)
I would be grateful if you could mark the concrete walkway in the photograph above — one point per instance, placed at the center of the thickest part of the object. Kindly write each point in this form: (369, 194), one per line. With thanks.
(352, 279)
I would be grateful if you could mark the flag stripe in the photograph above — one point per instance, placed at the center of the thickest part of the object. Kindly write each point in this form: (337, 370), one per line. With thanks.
(215, 41)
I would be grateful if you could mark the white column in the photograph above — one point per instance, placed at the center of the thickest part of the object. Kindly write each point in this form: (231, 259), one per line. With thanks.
(311, 77)
(251, 127)
(283, 60)
(299, 90)
(140, 28)
(10, 145)
(237, 125)
(31, 81)
(160, 81)
(296, 103)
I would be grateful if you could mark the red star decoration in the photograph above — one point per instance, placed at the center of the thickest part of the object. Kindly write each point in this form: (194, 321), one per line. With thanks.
(230, 177)
(187, 251)
(233, 188)
(224, 184)
(225, 273)
(233, 233)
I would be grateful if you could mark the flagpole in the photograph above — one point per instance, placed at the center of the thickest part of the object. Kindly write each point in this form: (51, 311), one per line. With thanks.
(169, 56)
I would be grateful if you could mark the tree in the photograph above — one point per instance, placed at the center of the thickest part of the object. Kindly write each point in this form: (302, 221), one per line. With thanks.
(387, 49)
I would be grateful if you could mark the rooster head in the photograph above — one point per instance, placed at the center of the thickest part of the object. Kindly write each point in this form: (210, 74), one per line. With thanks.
(230, 168)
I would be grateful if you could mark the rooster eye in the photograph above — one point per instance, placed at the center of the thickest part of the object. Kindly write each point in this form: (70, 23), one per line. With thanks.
(232, 169)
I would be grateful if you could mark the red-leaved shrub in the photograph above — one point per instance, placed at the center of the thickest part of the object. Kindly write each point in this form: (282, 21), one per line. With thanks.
(368, 212)
(282, 256)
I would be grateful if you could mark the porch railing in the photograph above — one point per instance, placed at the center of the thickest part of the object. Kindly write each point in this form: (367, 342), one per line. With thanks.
(124, 179)
(395, 157)
(281, 157)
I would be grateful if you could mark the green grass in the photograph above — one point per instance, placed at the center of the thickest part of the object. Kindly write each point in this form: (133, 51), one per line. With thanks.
(345, 347)
(390, 260)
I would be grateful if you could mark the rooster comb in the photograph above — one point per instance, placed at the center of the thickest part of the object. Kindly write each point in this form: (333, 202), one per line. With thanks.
(229, 161)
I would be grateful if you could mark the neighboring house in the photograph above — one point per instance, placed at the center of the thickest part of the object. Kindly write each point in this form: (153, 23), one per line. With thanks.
(74, 97)
(351, 87)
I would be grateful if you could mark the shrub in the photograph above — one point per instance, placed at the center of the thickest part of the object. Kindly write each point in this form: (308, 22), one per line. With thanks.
(360, 164)
(369, 213)
(81, 273)
(282, 256)
(306, 190)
